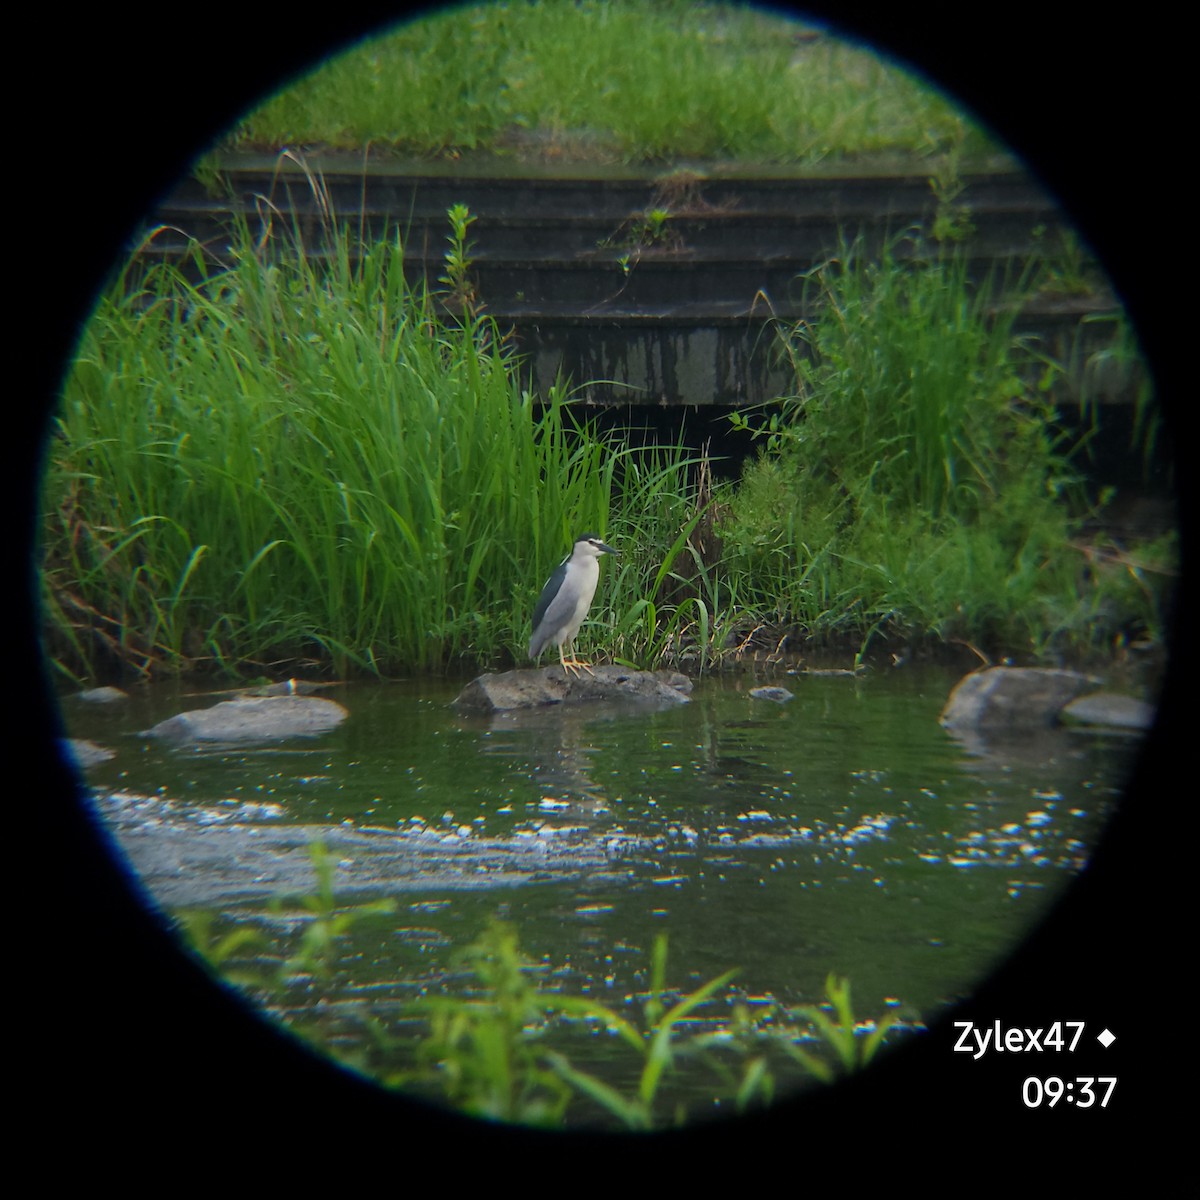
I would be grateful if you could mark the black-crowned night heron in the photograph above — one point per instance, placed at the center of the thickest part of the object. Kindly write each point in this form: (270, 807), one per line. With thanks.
(566, 598)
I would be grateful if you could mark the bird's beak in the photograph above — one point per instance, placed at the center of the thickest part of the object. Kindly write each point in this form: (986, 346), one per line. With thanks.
(608, 549)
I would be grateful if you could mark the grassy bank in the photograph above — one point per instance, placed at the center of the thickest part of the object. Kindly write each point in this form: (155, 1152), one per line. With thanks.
(292, 461)
(310, 465)
(629, 81)
(919, 481)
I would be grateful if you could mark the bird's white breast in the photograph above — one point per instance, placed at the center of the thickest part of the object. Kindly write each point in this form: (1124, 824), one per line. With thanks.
(589, 576)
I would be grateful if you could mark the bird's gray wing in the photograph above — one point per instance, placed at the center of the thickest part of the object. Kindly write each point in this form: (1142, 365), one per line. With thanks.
(544, 604)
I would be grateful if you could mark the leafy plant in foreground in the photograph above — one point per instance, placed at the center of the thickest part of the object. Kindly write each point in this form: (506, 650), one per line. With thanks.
(220, 950)
(482, 1051)
(488, 1053)
(658, 1045)
(852, 1051)
(317, 953)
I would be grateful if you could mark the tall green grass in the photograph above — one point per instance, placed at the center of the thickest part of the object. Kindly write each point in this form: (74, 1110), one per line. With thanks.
(300, 458)
(633, 80)
(918, 482)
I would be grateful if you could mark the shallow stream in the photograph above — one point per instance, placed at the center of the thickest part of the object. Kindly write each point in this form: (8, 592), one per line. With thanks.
(843, 830)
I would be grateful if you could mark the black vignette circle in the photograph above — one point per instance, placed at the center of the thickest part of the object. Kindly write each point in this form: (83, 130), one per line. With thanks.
(1091, 103)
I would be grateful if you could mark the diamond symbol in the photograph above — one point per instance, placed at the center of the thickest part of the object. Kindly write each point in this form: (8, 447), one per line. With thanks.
(1106, 1039)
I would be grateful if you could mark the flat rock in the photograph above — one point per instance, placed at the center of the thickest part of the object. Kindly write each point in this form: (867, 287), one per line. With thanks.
(103, 695)
(779, 694)
(510, 690)
(1009, 699)
(266, 718)
(1109, 710)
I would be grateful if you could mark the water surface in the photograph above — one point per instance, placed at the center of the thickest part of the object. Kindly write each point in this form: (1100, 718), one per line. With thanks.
(842, 831)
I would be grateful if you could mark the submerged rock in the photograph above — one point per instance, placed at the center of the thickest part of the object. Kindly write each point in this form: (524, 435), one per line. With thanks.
(1010, 699)
(83, 753)
(551, 685)
(266, 718)
(103, 695)
(1109, 710)
(779, 694)
(287, 687)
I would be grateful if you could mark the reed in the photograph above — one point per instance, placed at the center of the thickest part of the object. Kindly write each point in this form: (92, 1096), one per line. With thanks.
(669, 602)
(301, 457)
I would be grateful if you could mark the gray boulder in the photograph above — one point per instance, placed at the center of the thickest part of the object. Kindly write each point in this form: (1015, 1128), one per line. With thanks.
(266, 718)
(1011, 699)
(536, 688)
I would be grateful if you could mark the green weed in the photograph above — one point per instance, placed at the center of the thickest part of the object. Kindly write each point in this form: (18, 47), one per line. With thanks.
(918, 482)
(301, 457)
(317, 954)
(1117, 363)
(460, 291)
(658, 1045)
(495, 1048)
(490, 1053)
(840, 1032)
(223, 950)
(483, 1052)
(952, 219)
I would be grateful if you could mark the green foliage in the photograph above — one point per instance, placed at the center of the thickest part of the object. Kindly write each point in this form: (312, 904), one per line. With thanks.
(1067, 269)
(460, 294)
(952, 219)
(492, 1049)
(658, 1044)
(318, 950)
(917, 481)
(489, 1053)
(303, 457)
(308, 458)
(669, 600)
(1117, 364)
(911, 386)
(644, 230)
(222, 950)
(622, 80)
(852, 1051)
(482, 1052)
(317, 953)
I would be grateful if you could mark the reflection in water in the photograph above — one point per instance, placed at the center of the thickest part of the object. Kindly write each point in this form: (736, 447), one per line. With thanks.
(556, 748)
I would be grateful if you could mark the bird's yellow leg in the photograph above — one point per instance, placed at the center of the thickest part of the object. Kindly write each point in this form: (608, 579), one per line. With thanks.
(574, 663)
